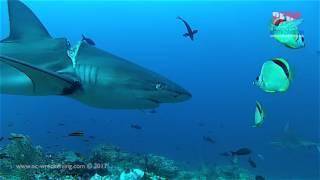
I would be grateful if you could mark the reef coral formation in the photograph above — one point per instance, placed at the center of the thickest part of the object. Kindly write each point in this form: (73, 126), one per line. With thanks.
(22, 160)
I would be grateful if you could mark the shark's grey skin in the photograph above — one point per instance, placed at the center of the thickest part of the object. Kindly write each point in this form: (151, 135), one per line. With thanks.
(32, 63)
(291, 141)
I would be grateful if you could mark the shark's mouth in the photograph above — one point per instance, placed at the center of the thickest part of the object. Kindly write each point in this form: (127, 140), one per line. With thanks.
(149, 103)
(154, 101)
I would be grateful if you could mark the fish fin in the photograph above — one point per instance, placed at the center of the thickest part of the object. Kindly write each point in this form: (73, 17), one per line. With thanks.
(82, 37)
(288, 46)
(24, 25)
(195, 31)
(290, 27)
(296, 22)
(260, 156)
(45, 82)
(186, 34)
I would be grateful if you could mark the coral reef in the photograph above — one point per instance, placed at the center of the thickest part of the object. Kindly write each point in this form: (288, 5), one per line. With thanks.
(20, 153)
(161, 165)
(134, 174)
(21, 160)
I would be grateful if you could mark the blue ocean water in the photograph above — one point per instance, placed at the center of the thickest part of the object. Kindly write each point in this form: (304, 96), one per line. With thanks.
(218, 68)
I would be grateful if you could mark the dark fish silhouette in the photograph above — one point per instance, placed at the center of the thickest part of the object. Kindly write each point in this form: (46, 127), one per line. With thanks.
(201, 124)
(136, 126)
(68, 45)
(4, 156)
(208, 139)
(252, 163)
(1, 138)
(14, 138)
(10, 124)
(225, 154)
(77, 134)
(260, 177)
(190, 32)
(241, 152)
(88, 40)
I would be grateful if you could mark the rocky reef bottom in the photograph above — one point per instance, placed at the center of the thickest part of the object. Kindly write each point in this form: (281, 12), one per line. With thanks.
(21, 160)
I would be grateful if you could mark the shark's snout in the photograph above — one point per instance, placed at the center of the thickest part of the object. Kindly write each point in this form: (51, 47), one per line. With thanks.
(183, 95)
(173, 93)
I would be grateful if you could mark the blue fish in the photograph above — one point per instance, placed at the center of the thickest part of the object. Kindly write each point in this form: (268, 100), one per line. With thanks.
(88, 40)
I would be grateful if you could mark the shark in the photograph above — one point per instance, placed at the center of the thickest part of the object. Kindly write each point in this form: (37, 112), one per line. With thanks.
(291, 141)
(33, 63)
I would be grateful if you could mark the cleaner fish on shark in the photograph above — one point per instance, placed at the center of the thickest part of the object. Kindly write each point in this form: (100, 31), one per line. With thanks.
(33, 63)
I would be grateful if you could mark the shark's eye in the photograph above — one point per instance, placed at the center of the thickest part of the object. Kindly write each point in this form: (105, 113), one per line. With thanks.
(160, 86)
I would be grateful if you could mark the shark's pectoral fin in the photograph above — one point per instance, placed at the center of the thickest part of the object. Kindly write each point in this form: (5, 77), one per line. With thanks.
(186, 34)
(45, 82)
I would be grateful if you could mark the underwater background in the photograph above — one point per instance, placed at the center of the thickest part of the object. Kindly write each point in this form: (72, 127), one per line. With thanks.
(218, 68)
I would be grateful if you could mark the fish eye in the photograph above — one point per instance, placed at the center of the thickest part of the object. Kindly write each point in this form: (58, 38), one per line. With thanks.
(160, 86)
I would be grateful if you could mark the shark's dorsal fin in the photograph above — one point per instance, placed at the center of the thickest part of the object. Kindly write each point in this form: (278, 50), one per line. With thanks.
(24, 25)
